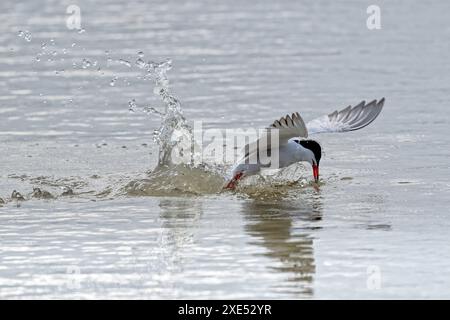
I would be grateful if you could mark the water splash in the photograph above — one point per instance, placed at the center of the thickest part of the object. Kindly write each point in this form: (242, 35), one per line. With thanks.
(174, 136)
(175, 181)
(133, 107)
(175, 140)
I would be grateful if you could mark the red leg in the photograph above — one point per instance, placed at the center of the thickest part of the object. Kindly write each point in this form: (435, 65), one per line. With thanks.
(232, 183)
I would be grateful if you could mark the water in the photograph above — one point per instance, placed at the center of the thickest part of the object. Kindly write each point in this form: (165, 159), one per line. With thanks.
(105, 224)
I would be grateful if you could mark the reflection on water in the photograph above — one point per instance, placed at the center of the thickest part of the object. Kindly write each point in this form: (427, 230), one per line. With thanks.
(179, 217)
(282, 227)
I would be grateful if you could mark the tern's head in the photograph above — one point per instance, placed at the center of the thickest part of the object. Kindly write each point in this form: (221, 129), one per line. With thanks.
(316, 150)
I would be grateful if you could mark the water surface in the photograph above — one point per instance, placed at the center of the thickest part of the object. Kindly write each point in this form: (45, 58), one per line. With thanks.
(376, 228)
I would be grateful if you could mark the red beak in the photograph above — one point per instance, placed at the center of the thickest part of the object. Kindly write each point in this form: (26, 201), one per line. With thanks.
(316, 172)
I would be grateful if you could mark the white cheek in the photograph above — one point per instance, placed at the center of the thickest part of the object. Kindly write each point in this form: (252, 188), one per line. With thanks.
(311, 157)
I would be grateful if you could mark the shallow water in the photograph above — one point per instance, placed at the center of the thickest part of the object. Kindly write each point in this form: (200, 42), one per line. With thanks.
(377, 227)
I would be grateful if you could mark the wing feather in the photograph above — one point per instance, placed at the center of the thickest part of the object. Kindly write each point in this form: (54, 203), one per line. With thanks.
(288, 127)
(348, 119)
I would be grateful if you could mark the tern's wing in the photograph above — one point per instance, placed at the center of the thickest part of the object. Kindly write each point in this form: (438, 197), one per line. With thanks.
(287, 127)
(348, 119)
(290, 127)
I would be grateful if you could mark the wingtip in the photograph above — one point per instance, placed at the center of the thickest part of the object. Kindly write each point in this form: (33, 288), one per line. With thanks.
(361, 104)
(374, 102)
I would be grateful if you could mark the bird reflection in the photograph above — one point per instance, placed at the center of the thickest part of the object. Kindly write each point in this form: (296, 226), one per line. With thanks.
(281, 226)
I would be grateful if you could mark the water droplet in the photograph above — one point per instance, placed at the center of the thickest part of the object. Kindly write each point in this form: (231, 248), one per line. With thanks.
(25, 34)
(157, 90)
(112, 83)
(140, 54)
(38, 58)
(64, 50)
(141, 63)
(125, 62)
(132, 105)
(85, 64)
(167, 64)
(151, 66)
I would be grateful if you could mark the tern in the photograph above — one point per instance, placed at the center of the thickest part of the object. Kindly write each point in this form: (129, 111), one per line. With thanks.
(293, 145)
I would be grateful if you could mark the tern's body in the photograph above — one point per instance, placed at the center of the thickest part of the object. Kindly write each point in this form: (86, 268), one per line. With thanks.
(291, 148)
(289, 153)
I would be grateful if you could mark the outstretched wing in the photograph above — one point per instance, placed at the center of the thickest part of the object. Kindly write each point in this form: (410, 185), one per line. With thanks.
(290, 127)
(348, 119)
(287, 127)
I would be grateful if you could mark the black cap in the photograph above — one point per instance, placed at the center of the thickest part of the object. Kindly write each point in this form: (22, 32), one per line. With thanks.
(314, 146)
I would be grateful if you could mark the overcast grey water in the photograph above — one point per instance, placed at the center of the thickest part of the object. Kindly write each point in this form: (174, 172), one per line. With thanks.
(377, 227)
